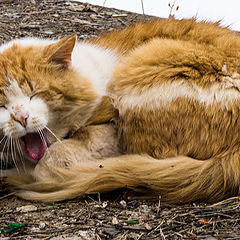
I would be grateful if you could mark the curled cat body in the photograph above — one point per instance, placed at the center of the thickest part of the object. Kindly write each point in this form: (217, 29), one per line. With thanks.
(153, 107)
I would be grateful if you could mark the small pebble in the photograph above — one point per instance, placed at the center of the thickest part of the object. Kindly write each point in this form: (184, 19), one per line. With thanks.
(147, 226)
(115, 221)
(104, 205)
(111, 231)
(123, 204)
(27, 208)
(42, 225)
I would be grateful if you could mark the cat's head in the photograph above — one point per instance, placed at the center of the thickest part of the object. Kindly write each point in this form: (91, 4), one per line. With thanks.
(39, 91)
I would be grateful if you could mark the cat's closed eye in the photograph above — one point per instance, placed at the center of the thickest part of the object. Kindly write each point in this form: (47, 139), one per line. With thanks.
(3, 106)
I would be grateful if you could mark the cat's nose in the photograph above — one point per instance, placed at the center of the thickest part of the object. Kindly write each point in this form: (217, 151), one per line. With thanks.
(20, 118)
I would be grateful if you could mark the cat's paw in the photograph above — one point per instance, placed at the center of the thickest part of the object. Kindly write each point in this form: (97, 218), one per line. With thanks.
(66, 154)
(60, 154)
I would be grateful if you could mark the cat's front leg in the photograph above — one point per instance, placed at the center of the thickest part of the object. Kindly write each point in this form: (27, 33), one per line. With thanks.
(88, 144)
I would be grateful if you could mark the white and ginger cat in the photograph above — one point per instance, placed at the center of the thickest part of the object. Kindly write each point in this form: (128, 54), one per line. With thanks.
(154, 107)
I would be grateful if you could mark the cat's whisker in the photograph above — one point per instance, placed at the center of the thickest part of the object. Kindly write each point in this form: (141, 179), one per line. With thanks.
(49, 130)
(12, 154)
(2, 152)
(1, 168)
(19, 149)
(2, 139)
(40, 131)
(41, 134)
(1, 159)
(6, 144)
(1, 173)
(16, 153)
(39, 127)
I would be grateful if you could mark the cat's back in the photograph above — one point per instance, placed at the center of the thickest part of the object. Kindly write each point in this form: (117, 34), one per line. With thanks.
(124, 40)
(176, 95)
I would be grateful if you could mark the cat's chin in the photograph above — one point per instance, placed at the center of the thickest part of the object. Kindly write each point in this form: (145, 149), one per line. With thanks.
(35, 144)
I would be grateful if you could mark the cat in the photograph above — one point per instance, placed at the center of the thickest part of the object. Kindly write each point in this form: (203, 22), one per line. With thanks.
(153, 107)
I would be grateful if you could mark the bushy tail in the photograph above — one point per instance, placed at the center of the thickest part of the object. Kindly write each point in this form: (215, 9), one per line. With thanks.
(177, 180)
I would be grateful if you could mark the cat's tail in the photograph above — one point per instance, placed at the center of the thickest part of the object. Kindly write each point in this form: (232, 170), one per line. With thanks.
(176, 180)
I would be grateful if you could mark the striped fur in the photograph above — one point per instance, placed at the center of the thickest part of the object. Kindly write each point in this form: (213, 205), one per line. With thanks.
(175, 99)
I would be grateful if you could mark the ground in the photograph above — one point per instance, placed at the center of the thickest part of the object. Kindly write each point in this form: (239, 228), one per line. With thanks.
(114, 215)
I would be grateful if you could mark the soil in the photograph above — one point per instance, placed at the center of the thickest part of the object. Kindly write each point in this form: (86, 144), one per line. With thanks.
(115, 215)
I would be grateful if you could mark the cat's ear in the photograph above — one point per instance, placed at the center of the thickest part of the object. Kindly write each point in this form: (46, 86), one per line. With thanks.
(61, 52)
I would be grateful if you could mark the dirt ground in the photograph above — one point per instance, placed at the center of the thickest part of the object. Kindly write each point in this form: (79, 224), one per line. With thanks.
(114, 215)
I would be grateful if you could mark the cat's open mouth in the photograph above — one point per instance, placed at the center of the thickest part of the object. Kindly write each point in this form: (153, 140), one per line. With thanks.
(36, 144)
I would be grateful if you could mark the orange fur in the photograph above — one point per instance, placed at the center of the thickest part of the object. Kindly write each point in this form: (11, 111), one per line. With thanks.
(175, 100)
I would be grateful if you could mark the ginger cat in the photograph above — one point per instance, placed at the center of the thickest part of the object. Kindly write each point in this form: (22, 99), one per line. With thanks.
(153, 107)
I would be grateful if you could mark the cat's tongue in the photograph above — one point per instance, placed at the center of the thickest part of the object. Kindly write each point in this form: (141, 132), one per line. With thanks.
(35, 145)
